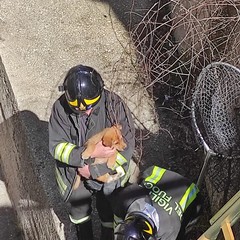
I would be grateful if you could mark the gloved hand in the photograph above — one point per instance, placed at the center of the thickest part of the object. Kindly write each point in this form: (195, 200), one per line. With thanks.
(99, 170)
(94, 171)
(93, 185)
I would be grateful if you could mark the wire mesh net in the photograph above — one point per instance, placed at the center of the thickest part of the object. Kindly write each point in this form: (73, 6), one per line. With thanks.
(217, 108)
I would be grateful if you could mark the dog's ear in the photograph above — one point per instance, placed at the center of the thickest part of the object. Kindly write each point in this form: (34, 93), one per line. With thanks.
(119, 143)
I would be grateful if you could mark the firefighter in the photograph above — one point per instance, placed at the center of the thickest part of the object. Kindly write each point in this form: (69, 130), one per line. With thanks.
(85, 108)
(163, 205)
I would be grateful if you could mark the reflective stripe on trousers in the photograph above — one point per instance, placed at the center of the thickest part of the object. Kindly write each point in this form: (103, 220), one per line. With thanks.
(79, 221)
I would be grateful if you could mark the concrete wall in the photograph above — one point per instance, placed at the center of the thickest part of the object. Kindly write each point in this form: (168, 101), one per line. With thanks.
(35, 215)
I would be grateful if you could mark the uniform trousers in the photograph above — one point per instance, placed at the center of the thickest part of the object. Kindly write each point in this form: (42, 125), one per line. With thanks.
(81, 206)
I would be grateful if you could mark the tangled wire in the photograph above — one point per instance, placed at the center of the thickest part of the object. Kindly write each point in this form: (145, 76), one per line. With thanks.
(175, 40)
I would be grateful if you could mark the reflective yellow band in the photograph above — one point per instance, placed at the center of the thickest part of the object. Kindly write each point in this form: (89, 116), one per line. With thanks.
(120, 159)
(66, 152)
(126, 177)
(62, 151)
(120, 170)
(117, 220)
(91, 101)
(82, 220)
(188, 196)
(107, 224)
(58, 150)
(156, 175)
(60, 182)
(74, 103)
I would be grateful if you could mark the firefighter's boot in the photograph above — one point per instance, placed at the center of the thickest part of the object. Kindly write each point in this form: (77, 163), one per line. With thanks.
(84, 231)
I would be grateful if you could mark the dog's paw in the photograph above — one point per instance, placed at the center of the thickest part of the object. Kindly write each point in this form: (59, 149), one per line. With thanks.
(114, 177)
(85, 155)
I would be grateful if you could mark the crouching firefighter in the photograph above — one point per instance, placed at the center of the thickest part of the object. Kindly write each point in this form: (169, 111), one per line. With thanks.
(163, 205)
(84, 109)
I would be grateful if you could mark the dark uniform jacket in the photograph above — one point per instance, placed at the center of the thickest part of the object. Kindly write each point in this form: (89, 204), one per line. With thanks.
(69, 131)
(168, 192)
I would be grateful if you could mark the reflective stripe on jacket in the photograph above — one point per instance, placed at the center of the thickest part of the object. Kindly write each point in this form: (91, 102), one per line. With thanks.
(165, 186)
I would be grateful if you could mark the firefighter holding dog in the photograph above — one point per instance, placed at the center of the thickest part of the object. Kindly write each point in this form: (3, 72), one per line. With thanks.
(163, 205)
(84, 109)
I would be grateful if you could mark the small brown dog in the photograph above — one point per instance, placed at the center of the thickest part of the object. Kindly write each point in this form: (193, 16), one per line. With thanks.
(110, 137)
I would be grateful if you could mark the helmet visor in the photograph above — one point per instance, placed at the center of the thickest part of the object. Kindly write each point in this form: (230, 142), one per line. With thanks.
(134, 227)
(84, 104)
(90, 102)
(127, 232)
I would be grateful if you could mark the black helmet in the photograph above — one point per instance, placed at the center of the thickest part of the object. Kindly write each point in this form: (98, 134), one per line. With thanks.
(137, 226)
(83, 86)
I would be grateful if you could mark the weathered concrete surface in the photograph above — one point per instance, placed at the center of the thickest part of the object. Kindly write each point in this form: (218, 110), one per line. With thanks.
(27, 194)
(8, 220)
(39, 41)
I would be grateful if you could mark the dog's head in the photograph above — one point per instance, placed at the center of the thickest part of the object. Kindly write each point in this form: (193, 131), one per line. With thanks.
(113, 138)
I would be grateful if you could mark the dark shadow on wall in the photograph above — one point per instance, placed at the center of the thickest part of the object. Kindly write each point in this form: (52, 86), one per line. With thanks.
(8, 225)
(10, 229)
(43, 163)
